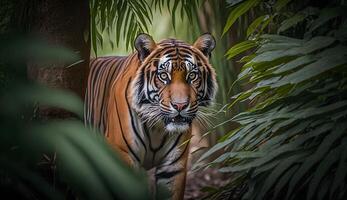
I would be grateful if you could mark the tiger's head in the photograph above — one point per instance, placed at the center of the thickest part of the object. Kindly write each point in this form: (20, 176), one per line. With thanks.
(173, 81)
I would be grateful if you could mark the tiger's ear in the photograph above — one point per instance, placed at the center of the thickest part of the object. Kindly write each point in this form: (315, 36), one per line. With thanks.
(144, 44)
(205, 43)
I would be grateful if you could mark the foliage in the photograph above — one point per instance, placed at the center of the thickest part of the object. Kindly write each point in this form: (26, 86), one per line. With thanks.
(53, 159)
(130, 17)
(292, 142)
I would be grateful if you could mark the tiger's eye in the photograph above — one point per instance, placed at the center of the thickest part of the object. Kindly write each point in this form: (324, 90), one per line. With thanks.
(163, 75)
(192, 75)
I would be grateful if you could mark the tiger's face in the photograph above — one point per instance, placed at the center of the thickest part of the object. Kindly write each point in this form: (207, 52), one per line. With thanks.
(174, 80)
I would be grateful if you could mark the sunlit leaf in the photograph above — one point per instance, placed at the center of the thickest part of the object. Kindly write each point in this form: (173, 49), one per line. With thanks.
(234, 2)
(255, 24)
(241, 9)
(240, 47)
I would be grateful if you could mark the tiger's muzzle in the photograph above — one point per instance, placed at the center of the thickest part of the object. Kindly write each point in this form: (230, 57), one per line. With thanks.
(180, 118)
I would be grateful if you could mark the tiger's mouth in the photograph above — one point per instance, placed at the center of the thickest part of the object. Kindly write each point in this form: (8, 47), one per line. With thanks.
(177, 124)
(178, 120)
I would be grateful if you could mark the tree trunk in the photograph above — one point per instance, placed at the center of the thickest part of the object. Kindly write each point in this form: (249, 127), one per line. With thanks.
(64, 23)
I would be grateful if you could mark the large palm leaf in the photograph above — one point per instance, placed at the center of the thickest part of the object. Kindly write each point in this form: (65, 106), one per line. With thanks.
(130, 17)
(294, 136)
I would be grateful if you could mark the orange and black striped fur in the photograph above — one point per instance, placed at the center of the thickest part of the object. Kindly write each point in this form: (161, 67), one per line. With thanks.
(145, 103)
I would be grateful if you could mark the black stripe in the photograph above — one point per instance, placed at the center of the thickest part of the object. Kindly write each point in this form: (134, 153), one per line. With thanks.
(130, 149)
(132, 118)
(154, 150)
(145, 129)
(97, 67)
(99, 75)
(167, 175)
(158, 148)
(126, 142)
(103, 111)
(147, 89)
(173, 146)
(140, 84)
(179, 157)
(183, 50)
(150, 141)
(91, 80)
(96, 86)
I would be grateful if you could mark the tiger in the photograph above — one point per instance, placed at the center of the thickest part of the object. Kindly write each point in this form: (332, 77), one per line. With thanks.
(145, 103)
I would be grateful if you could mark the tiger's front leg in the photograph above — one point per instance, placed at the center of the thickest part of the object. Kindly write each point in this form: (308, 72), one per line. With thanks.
(179, 181)
(172, 173)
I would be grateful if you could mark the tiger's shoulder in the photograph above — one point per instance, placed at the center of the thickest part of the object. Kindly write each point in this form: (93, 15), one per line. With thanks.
(103, 71)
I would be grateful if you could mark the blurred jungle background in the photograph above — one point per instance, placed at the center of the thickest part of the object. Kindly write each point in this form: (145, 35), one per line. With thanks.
(277, 129)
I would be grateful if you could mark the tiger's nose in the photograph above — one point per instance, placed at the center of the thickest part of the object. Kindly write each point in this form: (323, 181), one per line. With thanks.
(179, 106)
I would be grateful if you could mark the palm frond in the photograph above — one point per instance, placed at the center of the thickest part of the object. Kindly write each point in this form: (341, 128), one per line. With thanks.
(128, 18)
(294, 136)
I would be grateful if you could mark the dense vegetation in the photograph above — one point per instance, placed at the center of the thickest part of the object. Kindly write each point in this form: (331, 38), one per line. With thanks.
(52, 159)
(289, 144)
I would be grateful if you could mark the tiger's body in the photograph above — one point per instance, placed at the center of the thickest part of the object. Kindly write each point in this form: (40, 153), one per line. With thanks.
(145, 108)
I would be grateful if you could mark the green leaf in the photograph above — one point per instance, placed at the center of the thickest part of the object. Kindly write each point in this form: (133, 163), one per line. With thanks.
(284, 180)
(276, 173)
(256, 131)
(341, 172)
(69, 155)
(255, 24)
(16, 170)
(244, 73)
(93, 37)
(240, 47)
(117, 13)
(99, 169)
(272, 46)
(287, 148)
(310, 46)
(44, 96)
(322, 150)
(174, 8)
(104, 161)
(323, 189)
(234, 2)
(224, 144)
(300, 61)
(241, 9)
(322, 171)
(325, 15)
(290, 22)
(276, 141)
(315, 44)
(280, 38)
(280, 4)
(35, 50)
(214, 149)
(312, 70)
